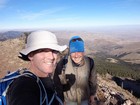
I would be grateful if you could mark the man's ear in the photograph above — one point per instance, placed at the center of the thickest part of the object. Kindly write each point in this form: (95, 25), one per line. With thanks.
(30, 56)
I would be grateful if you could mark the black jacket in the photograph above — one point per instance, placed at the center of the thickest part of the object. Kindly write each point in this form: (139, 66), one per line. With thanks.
(25, 91)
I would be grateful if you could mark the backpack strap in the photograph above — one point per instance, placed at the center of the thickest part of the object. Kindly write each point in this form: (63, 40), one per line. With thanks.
(43, 93)
(57, 98)
(91, 61)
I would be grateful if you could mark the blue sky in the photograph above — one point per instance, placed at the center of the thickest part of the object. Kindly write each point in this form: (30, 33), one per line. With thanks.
(25, 14)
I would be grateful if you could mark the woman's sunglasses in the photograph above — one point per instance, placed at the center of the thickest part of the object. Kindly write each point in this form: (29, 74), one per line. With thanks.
(79, 39)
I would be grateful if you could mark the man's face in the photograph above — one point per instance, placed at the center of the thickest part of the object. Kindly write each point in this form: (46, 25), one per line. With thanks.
(77, 57)
(43, 61)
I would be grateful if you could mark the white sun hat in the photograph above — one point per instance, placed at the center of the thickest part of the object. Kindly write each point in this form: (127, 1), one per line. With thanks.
(42, 39)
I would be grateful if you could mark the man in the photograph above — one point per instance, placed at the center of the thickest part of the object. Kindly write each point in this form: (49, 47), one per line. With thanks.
(78, 76)
(41, 51)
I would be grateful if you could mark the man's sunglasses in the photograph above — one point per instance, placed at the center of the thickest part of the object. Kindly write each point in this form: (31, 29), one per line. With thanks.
(79, 39)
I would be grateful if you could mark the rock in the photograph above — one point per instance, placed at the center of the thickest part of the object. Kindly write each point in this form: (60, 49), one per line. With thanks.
(110, 94)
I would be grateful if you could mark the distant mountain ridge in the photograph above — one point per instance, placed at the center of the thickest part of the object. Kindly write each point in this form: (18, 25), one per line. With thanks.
(125, 45)
(10, 35)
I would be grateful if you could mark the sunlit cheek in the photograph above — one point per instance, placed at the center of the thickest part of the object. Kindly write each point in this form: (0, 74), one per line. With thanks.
(72, 58)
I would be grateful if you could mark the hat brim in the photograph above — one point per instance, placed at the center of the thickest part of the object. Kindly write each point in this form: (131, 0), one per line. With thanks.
(56, 47)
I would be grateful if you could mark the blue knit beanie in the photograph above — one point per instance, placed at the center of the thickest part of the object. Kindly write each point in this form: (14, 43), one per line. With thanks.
(76, 44)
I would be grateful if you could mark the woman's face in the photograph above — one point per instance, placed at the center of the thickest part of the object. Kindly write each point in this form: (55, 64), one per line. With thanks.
(77, 57)
(43, 61)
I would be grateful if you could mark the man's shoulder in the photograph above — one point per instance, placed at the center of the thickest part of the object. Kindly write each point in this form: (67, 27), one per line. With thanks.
(24, 81)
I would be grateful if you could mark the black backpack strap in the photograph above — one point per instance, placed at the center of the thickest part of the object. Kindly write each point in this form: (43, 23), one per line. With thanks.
(91, 61)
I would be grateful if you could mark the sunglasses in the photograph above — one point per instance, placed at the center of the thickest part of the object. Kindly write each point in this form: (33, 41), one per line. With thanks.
(77, 39)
